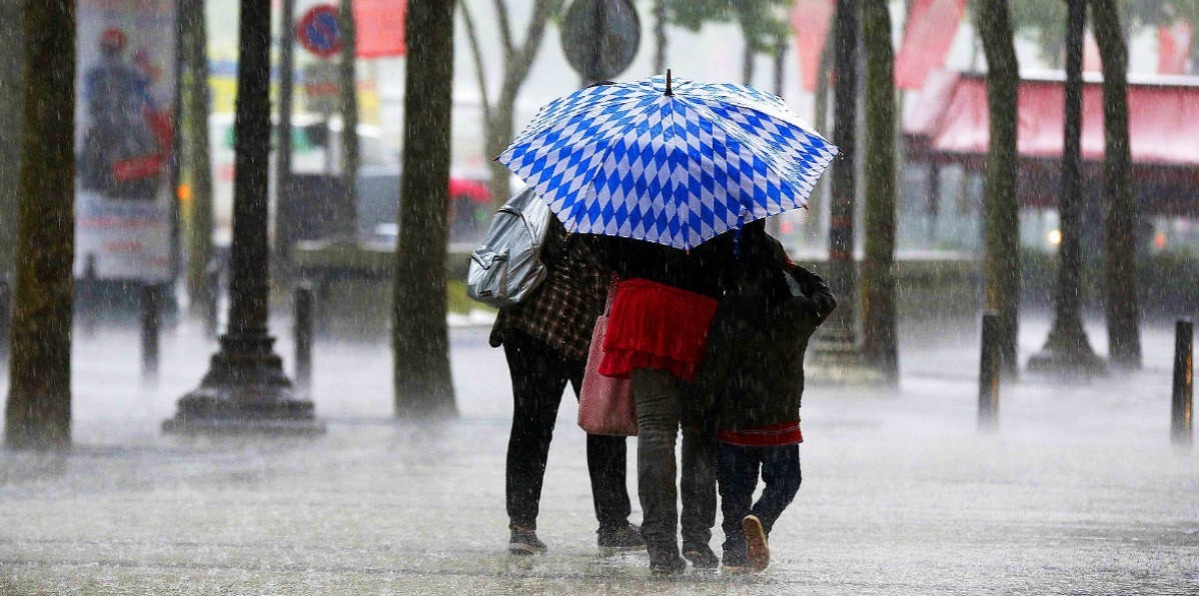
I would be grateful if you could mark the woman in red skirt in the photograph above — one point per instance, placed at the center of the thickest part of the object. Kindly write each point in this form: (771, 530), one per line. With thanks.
(657, 329)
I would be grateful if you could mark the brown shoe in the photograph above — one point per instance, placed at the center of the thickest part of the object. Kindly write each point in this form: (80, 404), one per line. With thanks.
(757, 551)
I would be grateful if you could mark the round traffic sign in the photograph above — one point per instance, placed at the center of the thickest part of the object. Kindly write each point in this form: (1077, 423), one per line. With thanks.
(318, 31)
(600, 37)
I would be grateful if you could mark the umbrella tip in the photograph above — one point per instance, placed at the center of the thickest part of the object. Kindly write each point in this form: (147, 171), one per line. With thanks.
(669, 92)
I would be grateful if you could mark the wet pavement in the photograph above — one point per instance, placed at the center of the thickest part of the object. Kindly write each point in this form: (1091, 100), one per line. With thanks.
(1079, 491)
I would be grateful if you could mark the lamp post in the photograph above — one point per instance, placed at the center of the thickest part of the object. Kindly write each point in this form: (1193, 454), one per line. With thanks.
(245, 389)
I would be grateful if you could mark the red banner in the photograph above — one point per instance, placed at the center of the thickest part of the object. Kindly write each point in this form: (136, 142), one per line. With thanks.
(1173, 47)
(811, 20)
(927, 37)
(380, 27)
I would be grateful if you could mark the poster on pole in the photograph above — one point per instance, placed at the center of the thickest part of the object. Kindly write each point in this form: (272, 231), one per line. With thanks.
(124, 136)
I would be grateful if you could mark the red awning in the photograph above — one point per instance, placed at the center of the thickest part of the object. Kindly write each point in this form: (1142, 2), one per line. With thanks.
(950, 118)
(928, 33)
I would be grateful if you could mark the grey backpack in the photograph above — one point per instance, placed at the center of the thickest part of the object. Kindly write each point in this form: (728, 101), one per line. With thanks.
(506, 267)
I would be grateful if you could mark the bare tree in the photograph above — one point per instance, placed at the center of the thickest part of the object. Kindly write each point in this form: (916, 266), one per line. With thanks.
(420, 340)
(1001, 208)
(38, 412)
(1123, 316)
(348, 100)
(499, 115)
(879, 334)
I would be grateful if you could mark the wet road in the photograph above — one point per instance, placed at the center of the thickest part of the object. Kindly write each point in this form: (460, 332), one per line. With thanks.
(1079, 491)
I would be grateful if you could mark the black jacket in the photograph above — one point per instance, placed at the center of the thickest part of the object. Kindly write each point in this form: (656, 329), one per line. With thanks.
(700, 270)
(752, 374)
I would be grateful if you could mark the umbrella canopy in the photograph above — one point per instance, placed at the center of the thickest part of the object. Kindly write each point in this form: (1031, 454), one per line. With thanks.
(672, 163)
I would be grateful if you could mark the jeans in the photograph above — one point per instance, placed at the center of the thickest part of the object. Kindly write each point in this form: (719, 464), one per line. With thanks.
(539, 376)
(661, 409)
(737, 471)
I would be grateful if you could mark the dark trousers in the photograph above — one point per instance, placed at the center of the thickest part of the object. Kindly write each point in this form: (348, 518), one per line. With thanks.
(661, 410)
(539, 376)
(737, 471)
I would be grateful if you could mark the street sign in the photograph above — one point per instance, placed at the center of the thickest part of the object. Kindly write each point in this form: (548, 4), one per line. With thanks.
(318, 31)
(322, 83)
(600, 37)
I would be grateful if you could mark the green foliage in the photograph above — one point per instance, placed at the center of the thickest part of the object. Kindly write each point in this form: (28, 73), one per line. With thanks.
(757, 18)
(1044, 21)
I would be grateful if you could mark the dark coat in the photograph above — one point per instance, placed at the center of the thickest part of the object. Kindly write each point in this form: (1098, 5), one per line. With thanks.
(753, 365)
(698, 270)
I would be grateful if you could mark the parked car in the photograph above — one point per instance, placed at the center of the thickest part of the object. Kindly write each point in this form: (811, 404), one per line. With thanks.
(379, 188)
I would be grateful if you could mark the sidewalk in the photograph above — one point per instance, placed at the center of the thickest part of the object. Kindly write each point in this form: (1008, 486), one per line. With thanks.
(1079, 491)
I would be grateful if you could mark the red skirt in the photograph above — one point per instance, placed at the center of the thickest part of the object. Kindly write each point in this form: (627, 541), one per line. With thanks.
(653, 325)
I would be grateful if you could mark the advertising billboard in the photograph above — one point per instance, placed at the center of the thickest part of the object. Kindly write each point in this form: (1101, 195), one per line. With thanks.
(125, 133)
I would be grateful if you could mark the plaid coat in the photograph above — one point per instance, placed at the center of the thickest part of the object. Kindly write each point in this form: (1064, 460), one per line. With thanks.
(562, 312)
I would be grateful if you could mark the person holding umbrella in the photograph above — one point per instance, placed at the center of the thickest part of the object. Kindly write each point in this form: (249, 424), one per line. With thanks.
(670, 170)
(545, 339)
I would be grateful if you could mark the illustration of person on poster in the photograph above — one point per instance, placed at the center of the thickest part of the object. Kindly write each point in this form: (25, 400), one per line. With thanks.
(125, 81)
(124, 148)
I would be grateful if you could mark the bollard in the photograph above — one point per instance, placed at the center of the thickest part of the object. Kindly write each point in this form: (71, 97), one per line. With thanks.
(151, 323)
(1183, 404)
(304, 301)
(90, 294)
(988, 374)
(5, 316)
(212, 280)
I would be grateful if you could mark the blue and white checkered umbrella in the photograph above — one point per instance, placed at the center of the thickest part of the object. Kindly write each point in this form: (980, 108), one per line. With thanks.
(676, 164)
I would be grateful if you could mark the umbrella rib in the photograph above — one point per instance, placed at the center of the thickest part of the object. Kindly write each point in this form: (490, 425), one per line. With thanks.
(538, 128)
(590, 194)
(758, 143)
(677, 163)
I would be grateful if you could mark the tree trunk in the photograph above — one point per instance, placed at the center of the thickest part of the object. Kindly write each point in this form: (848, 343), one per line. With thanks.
(349, 110)
(284, 214)
(195, 52)
(879, 336)
(660, 39)
(1123, 316)
(423, 385)
(1001, 207)
(842, 269)
(38, 412)
(10, 120)
(1067, 348)
(498, 133)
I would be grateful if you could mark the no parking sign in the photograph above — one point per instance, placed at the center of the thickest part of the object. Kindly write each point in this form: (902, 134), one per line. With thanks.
(318, 31)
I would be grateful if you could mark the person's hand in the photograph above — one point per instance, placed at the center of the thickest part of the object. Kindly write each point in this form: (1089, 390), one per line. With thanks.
(824, 304)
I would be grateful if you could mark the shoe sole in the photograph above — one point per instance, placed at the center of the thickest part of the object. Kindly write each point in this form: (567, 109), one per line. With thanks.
(757, 551)
(609, 551)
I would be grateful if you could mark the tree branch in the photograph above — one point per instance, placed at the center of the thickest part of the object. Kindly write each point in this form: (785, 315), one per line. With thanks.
(477, 53)
(501, 13)
(517, 67)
